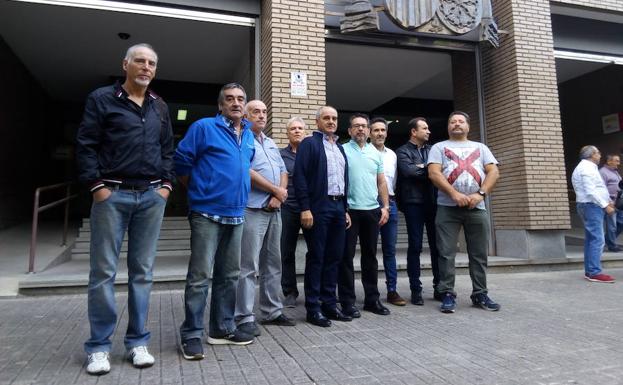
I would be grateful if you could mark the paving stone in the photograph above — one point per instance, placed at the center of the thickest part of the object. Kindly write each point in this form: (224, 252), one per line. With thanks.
(554, 328)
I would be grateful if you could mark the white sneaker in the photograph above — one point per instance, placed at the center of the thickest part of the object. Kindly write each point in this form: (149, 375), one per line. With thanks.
(140, 357)
(98, 363)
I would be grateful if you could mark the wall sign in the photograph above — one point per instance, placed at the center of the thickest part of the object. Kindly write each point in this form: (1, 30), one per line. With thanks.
(612, 123)
(298, 84)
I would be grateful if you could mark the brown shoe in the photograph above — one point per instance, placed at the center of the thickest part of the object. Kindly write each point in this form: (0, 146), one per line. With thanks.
(395, 299)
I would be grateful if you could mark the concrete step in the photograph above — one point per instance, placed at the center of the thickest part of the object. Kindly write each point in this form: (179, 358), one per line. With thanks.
(181, 248)
(181, 223)
(174, 240)
(170, 272)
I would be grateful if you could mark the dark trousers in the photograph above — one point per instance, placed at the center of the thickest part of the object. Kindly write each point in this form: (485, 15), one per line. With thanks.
(325, 245)
(417, 216)
(365, 225)
(291, 224)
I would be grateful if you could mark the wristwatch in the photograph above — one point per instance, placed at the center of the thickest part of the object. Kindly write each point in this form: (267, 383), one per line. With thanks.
(482, 193)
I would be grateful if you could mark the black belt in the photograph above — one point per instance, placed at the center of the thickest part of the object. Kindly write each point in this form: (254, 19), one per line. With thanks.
(264, 209)
(336, 197)
(392, 198)
(132, 186)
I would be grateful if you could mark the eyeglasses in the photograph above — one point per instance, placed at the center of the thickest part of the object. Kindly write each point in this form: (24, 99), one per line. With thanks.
(362, 125)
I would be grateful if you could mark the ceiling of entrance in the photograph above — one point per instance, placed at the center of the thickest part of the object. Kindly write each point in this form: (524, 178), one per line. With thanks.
(361, 77)
(71, 51)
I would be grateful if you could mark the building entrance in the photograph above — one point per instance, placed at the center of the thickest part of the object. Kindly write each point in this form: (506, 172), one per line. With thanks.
(395, 83)
(53, 55)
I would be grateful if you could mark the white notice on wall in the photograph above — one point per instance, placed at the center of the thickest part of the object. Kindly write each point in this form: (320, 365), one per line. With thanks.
(298, 84)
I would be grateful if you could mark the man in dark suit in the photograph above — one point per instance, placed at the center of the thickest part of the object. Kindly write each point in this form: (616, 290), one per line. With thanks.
(321, 186)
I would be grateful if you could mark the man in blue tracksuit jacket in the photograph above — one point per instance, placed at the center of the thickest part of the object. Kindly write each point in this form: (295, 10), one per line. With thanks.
(321, 186)
(213, 161)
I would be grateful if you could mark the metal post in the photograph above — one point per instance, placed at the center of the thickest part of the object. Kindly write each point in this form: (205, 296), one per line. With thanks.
(257, 53)
(33, 239)
(483, 139)
(66, 221)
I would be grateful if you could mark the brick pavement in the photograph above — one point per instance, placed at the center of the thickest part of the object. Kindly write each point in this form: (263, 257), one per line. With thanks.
(554, 328)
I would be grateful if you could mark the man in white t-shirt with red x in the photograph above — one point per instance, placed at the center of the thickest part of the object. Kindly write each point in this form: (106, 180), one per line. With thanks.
(464, 172)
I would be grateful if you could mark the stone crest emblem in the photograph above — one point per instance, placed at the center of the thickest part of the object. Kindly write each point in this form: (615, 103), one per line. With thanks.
(460, 16)
(411, 14)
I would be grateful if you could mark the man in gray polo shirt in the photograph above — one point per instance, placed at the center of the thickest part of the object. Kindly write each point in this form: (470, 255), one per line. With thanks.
(261, 234)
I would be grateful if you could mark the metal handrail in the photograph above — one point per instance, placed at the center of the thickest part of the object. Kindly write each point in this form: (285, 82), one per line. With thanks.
(35, 217)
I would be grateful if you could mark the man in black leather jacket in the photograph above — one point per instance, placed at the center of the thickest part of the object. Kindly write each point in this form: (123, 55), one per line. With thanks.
(417, 200)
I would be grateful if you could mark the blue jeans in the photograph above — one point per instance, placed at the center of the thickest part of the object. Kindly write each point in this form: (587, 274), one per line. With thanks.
(614, 228)
(593, 217)
(214, 251)
(417, 216)
(389, 233)
(140, 213)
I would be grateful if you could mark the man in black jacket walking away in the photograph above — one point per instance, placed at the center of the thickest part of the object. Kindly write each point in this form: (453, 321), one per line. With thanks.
(416, 197)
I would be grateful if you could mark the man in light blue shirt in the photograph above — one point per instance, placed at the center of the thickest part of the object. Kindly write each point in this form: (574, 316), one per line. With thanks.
(366, 183)
(261, 233)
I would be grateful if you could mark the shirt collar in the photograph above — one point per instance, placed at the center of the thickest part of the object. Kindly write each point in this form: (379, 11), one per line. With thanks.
(588, 163)
(261, 136)
(120, 92)
(326, 137)
(353, 143)
(416, 146)
(244, 124)
(228, 122)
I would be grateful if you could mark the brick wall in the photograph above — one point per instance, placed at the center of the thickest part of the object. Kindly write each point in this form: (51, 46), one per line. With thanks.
(523, 120)
(292, 39)
(610, 5)
(465, 89)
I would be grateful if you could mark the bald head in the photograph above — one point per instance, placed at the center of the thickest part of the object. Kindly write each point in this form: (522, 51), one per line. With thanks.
(256, 112)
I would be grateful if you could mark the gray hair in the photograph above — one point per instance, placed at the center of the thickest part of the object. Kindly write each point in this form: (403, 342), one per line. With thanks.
(319, 111)
(129, 54)
(587, 151)
(296, 119)
(229, 86)
(247, 107)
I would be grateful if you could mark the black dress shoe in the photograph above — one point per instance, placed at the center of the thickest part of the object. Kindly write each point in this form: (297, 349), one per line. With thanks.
(438, 296)
(351, 311)
(376, 308)
(318, 319)
(336, 315)
(416, 298)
